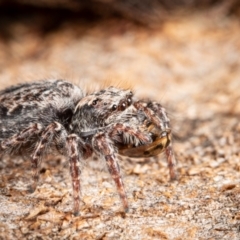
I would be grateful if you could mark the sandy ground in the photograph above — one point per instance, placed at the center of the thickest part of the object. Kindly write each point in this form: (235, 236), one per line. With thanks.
(191, 65)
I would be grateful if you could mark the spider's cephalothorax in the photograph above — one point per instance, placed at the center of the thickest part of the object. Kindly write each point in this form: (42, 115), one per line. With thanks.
(55, 115)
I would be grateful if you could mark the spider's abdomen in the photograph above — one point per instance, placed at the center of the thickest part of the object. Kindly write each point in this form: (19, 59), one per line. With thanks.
(40, 102)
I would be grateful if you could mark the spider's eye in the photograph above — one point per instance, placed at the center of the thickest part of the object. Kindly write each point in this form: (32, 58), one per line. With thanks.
(114, 107)
(123, 106)
(94, 102)
(129, 100)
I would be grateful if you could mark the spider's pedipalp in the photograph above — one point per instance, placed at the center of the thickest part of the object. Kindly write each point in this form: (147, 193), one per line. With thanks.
(124, 134)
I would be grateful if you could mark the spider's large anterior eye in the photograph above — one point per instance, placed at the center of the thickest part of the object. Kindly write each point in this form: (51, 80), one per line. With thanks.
(122, 106)
(114, 107)
(94, 102)
(129, 100)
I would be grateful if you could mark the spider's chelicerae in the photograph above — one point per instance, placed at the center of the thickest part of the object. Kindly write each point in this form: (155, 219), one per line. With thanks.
(39, 117)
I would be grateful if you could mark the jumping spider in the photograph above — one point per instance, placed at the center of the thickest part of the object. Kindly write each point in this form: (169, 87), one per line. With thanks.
(39, 117)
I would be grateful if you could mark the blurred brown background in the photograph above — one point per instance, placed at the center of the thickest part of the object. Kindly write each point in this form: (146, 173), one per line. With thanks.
(185, 54)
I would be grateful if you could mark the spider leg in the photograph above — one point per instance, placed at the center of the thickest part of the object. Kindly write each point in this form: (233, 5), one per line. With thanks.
(103, 145)
(47, 137)
(157, 114)
(171, 162)
(69, 145)
(74, 147)
(153, 111)
(156, 107)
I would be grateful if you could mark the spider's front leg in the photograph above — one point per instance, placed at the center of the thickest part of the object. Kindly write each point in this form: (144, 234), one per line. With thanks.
(164, 124)
(74, 146)
(104, 146)
(157, 115)
(171, 162)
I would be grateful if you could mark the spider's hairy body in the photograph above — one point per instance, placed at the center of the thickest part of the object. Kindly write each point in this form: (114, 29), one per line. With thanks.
(39, 102)
(39, 117)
